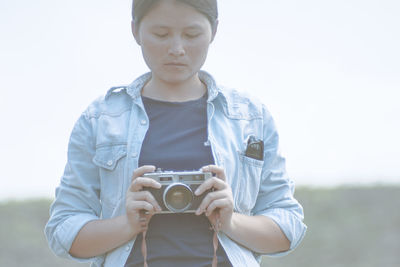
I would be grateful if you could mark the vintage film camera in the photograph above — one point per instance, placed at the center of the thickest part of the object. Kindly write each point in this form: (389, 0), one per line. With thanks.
(176, 194)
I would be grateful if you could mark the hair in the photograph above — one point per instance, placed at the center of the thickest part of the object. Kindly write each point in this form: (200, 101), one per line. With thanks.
(209, 8)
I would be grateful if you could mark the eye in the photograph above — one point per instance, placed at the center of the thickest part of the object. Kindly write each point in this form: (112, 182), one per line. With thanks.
(192, 35)
(161, 34)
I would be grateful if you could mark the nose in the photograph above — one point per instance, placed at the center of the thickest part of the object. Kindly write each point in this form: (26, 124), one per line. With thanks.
(176, 48)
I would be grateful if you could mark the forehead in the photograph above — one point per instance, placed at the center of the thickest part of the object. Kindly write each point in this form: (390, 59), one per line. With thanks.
(171, 13)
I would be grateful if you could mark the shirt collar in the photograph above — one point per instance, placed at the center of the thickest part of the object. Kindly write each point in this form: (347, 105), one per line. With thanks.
(135, 88)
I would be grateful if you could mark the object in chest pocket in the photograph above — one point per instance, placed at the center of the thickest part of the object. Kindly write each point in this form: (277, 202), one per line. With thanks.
(255, 148)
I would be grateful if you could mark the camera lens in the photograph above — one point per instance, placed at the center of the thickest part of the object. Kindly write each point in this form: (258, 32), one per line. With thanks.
(178, 197)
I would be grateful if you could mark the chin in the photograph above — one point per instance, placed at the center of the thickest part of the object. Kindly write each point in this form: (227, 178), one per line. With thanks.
(175, 77)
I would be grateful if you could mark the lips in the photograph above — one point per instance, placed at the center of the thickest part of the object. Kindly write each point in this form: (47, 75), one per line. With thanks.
(178, 64)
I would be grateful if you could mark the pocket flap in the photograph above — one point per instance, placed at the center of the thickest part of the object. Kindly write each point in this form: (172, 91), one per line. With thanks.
(108, 156)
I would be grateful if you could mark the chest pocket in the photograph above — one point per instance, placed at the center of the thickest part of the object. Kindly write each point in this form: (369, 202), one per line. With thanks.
(249, 182)
(110, 159)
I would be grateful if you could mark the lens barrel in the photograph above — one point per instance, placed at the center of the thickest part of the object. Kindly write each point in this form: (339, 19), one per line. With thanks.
(178, 197)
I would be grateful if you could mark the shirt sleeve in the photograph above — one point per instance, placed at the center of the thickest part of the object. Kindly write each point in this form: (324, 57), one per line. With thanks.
(77, 196)
(275, 197)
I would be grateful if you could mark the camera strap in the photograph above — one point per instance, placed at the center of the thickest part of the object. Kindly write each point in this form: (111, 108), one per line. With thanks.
(144, 249)
(215, 244)
(215, 239)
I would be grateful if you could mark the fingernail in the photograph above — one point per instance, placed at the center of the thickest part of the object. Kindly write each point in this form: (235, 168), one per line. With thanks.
(196, 192)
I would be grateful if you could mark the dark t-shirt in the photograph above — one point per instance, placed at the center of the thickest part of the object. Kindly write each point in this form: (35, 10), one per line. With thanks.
(175, 141)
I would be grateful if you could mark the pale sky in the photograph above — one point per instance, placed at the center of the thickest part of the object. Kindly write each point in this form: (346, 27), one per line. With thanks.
(329, 71)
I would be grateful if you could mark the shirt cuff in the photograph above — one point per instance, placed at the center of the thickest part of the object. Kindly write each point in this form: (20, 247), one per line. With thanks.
(66, 234)
(291, 225)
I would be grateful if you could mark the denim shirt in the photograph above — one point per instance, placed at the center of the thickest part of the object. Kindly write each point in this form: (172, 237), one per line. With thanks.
(103, 153)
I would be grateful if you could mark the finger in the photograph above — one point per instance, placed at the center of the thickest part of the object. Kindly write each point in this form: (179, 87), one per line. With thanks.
(213, 182)
(148, 197)
(144, 218)
(212, 196)
(140, 205)
(217, 204)
(142, 170)
(139, 183)
(219, 171)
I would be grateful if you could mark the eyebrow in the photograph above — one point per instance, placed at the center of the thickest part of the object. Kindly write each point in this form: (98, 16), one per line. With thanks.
(193, 26)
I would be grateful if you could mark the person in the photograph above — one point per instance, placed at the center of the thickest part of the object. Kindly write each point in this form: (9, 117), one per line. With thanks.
(176, 118)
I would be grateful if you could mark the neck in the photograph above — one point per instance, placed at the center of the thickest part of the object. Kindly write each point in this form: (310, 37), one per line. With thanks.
(188, 90)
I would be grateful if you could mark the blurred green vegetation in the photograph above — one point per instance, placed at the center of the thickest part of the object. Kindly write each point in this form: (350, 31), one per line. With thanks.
(347, 226)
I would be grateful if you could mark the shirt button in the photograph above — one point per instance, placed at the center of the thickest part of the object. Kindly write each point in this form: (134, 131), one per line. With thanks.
(110, 162)
(127, 248)
(134, 155)
(143, 122)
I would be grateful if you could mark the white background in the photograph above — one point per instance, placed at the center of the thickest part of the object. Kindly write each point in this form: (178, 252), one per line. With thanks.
(329, 71)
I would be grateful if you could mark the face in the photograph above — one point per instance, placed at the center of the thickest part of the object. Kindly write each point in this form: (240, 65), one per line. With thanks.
(174, 38)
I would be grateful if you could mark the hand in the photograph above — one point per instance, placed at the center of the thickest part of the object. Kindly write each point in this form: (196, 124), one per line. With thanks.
(218, 203)
(141, 205)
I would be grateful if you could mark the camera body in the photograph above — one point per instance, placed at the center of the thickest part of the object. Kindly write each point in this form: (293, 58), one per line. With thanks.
(176, 194)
